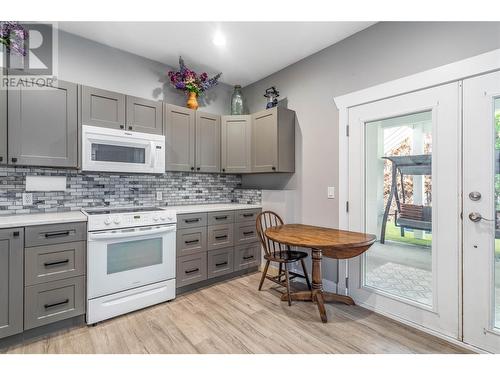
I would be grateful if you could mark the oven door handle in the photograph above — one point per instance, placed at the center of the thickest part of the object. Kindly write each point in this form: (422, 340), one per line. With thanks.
(152, 154)
(135, 233)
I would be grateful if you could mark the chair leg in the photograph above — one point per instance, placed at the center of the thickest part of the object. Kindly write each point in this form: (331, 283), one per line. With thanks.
(280, 270)
(264, 273)
(287, 278)
(305, 273)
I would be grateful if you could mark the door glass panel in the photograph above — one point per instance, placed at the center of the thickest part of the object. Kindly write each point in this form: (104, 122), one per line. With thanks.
(125, 256)
(398, 204)
(119, 154)
(497, 213)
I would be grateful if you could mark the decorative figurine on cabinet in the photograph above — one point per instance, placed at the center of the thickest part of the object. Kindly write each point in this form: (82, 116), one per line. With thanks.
(272, 97)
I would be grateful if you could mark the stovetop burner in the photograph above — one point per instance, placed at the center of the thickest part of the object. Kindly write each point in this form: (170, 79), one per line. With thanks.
(120, 210)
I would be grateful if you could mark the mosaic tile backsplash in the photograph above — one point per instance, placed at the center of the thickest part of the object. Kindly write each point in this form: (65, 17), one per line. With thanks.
(106, 189)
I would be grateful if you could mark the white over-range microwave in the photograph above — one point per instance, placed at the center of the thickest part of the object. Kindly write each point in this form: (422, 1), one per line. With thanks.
(112, 150)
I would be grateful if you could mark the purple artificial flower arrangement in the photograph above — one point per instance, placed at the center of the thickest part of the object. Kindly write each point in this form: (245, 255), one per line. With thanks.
(13, 36)
(187, 80)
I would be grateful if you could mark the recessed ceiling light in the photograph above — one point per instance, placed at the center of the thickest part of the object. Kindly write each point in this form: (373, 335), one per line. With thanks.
(219, 39)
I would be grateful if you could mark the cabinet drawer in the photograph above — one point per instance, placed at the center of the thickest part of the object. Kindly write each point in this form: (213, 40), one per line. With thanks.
(54, 301)
(220, 262)
(245, 233)
(221, 217)
(247, 215)
(220, 236)
(191, 241)
(55, 233)
(191, 220)
(246, 256)
(54, 262)
(191, 269)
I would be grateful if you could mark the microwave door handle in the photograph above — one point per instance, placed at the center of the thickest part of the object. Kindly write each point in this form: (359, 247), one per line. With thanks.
(153, 154)
(135, 233)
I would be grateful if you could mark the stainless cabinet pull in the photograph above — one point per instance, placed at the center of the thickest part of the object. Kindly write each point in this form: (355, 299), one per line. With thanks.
(247, 233)
(48, 264)
(220, 217)
(57, 234)
(221, 237)
(248, 257)
(191, 271)
(191, 220)
(191, 241)
(220, 264)
(48, 306)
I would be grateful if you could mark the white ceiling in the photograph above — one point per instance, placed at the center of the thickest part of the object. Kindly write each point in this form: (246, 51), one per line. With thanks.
(253, 50)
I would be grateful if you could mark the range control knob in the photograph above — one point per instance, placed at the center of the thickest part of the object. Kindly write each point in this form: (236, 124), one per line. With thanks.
(163, 218)
(117, 220)
(107, 221)
(155, 218)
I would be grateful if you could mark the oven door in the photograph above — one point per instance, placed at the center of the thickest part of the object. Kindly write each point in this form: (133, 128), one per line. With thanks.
(123, 259)
(110, 150)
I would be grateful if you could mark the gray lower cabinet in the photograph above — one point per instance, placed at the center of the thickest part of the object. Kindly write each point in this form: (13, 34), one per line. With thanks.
(220, 262)
(11, 281)
(50, 234)
(273, 140)
(50, 302)
(144, 115)
(43, 126)
(102, 108)
(179, 130)
(236, 143)
(191, 269)
(207, 157)
(214, 244)
(3, 123)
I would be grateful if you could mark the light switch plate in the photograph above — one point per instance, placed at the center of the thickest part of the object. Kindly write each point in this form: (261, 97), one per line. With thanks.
(27, 199)
(159, 195)
(331, 192)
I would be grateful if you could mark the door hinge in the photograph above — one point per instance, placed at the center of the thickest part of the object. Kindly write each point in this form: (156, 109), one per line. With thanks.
(347, 130)
(347, 282)
(347, 206)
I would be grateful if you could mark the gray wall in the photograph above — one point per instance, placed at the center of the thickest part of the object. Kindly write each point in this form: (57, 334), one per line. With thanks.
(383, 52)
(84, 61)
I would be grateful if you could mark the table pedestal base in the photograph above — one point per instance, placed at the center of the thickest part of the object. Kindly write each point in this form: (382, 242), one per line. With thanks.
(320, 297)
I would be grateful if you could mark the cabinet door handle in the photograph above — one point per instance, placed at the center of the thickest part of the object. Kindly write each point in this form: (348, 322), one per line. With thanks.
(192, 220)
(247, 215)
(248, 257)
(122, 126)
(220, 217)
(48, 306)
(221, 264)
(273, 168)
(221, 237)
(14, 160)
(192, 168)
(57, 234)
(129, 128)
(1, 158)
(223, 169)
(57, 263)
(192, 270)
(15, 234)
(198, 168)
(247, 233)
(191, 241)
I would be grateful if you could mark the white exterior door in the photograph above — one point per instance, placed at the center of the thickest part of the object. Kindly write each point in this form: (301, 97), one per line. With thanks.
(405, 186)
(481, 202)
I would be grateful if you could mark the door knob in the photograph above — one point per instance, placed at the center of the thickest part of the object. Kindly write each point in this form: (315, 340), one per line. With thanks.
(477, 217)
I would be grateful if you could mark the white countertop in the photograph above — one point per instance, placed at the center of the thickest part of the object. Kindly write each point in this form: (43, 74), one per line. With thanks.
(192, 208)
(25, 220)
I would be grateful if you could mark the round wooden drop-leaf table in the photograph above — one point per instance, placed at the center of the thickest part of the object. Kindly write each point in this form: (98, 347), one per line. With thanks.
(331, 243)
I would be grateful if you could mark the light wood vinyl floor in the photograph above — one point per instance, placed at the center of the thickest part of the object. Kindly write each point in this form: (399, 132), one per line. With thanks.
(233, 317)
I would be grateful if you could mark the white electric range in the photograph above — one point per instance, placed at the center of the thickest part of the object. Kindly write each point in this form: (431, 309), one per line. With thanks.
(130, 259)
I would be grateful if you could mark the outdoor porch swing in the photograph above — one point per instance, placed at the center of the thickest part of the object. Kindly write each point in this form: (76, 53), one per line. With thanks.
(407, 216)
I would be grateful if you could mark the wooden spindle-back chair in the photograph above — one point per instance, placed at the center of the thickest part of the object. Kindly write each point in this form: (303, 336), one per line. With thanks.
(279, 253)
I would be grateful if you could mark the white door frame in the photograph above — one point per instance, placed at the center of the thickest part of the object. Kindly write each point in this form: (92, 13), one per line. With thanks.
(476, 65)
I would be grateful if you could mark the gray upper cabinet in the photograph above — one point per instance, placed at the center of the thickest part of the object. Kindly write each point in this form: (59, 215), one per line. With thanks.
(236, 144)
(207, 142)
(144, 115)
(102, 108)
(273, 140)
(43, 126)
(3, 124)
(11, 281)
(179, 130)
